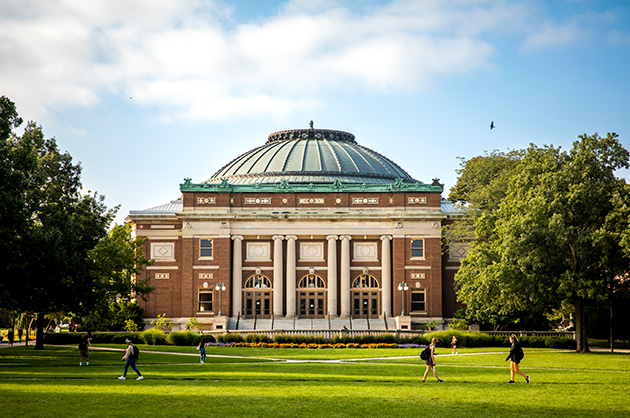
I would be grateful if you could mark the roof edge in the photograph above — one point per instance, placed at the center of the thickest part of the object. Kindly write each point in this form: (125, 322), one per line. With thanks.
(285, 187)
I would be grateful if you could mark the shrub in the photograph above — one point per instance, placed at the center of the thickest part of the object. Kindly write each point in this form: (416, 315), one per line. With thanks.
(230, 338)
(153, 337)
(63, 338)
(162, 323)
(182, 338)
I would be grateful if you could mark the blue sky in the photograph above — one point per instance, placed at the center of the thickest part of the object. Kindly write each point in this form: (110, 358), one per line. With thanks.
(147, 92)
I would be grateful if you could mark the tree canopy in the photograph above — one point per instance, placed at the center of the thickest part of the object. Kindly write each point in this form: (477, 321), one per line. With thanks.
(60, 256)
(556, 237)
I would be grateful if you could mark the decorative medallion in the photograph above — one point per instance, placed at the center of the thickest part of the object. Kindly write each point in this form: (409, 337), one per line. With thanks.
(206, 200)
(338, 200)
(417, 276)
(205, 276)
(311, 201)
(365, 201)
(161, 276)
(285, 200)
(417, 200)
(257, 201)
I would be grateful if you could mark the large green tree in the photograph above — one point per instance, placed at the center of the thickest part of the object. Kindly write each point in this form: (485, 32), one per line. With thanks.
(116, 261)
(554, 238)
(481, 186)
(59, 256)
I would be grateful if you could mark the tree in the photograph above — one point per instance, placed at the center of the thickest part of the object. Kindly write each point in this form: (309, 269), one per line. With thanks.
(50, 232)
(554, 240)
(480, 188)
(117, 259)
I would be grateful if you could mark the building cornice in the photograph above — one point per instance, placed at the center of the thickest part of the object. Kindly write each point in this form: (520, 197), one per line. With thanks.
(285, 187)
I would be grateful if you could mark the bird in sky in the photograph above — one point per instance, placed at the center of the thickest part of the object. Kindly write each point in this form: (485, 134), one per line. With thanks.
(491, 125)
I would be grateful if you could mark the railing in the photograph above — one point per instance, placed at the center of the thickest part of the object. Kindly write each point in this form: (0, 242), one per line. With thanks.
(329, 334)
(568, 334)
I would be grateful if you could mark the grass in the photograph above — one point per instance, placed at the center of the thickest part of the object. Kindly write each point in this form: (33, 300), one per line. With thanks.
(252, 382)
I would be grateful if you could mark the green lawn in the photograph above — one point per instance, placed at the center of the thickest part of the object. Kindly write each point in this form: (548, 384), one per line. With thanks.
(253, 382)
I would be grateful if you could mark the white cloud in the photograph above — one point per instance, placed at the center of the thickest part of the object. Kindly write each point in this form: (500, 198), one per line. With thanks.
(552, 34)
(189, 59)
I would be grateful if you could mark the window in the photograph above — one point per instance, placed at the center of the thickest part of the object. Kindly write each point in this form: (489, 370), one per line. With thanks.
(205, 301)
(312, 281)
(417, 248)
(205, 248)
(258, 281)
(418, 301)
(365, 280)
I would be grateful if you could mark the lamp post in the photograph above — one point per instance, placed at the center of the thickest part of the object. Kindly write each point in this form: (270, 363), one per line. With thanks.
(403, 287)
(220, 287)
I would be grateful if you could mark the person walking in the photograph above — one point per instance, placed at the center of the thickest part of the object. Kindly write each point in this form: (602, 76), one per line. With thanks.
(10, 336)
(202, 350)
(454, 345)
(515, 357)
(131, 361)
(20, 333)
(431, 362)
(84, 349)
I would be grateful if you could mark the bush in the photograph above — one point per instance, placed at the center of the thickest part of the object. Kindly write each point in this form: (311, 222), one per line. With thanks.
(153, 337)
(71, 338)
(63, 338)
(182, 338)
(230, 338)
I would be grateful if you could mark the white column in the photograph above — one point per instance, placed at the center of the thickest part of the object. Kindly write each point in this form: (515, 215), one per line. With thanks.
(345, 276)
(386, 275)
(237, 275)
(332, 275)
(278, 284)
(290, 275)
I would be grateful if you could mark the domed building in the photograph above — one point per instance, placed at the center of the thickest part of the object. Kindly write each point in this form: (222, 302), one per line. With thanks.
(309, 231)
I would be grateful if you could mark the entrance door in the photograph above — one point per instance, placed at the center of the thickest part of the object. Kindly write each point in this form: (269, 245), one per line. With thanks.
(258, 296)
(311, 297)
(258, 304)
(365, 297)
(312, 304)
(365, 304)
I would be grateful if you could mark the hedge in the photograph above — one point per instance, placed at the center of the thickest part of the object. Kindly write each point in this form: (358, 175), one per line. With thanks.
(187, 338)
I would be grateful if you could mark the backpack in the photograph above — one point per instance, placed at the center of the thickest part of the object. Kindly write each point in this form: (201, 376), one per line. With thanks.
(136, 353)
(426, 353)
(83, 345)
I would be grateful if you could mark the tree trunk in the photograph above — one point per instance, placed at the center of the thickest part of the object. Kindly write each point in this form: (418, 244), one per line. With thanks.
(39, 344)
(580, 326)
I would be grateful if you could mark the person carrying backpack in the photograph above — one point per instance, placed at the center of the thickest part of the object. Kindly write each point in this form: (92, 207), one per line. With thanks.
(516, 355)
(431, 362)
(131, 355)
(84, 349)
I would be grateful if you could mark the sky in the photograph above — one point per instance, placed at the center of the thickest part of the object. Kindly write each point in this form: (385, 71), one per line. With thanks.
(146, 93)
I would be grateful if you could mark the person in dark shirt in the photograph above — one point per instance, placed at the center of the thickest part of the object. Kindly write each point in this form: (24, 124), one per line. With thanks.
(515, 357)
(84, 349)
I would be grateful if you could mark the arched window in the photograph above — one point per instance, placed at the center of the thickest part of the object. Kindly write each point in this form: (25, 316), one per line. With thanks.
(365, 281)
(311, 281)
(258, 281)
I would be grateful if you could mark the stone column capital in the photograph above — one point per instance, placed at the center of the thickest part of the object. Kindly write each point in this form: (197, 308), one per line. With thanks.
(235, 237)
(291, 237)
(332, 237)
(345, 237)
(277, 237)
(388, 237)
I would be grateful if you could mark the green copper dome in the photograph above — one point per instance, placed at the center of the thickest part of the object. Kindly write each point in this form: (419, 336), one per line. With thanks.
(311, 156)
